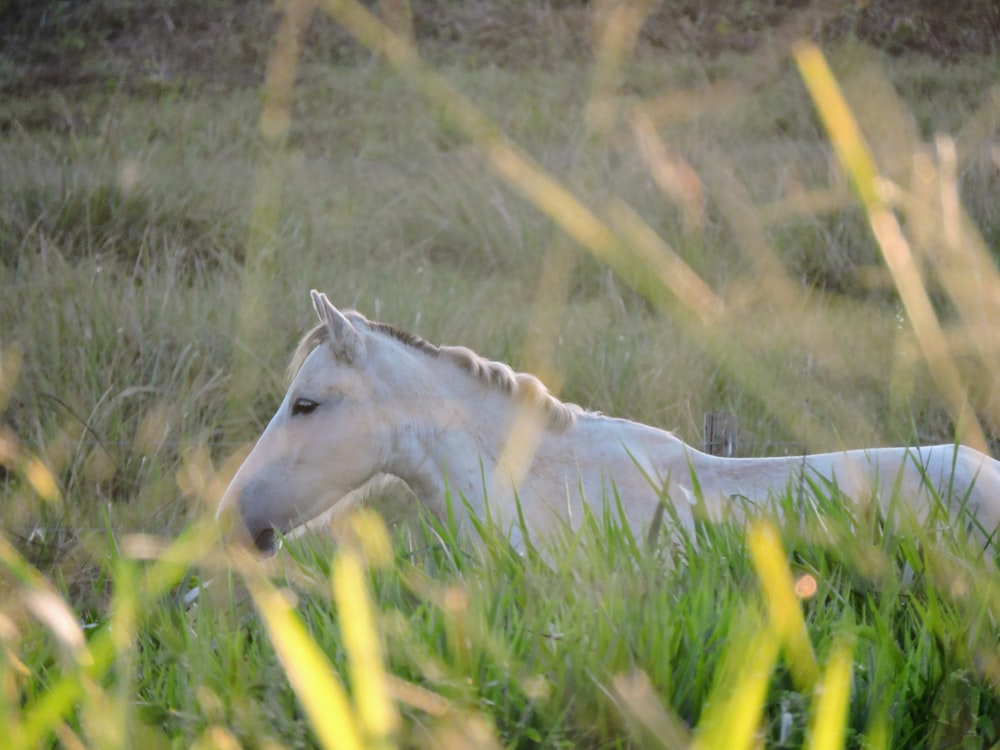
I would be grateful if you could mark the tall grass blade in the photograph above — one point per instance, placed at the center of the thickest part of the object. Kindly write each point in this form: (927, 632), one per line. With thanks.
(735, 707)
(45, 715)
(512, 163)
(654, 725)
(857, 160)
(832, 695)
(784, 612)
(317, 686)
(376, 711)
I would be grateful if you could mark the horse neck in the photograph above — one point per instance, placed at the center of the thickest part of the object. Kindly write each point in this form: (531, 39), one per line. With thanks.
(449, 434)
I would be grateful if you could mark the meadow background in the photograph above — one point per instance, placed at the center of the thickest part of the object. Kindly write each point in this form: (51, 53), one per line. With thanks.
(175, 176)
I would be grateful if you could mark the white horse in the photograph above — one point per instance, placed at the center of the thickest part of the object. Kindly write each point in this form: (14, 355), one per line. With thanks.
(367, 400)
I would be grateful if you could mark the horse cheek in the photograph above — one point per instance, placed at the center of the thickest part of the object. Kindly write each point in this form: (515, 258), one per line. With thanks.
(350, 457)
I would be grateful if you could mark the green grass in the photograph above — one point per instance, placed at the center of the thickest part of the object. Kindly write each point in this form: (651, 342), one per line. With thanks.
(156, 251)
(539, 649)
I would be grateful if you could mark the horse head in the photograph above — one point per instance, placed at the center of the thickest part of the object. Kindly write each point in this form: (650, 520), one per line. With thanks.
(326, 440)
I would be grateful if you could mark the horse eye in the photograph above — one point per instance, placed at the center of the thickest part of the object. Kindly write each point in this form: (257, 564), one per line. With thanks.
(303, 406)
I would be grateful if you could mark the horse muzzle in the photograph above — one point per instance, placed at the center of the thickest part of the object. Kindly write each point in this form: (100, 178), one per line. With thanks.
(243, 528)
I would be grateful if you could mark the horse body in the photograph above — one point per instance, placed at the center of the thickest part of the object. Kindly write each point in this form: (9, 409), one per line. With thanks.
(368, 400)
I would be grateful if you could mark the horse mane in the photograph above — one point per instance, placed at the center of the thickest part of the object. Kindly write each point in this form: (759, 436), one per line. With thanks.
(520, 385)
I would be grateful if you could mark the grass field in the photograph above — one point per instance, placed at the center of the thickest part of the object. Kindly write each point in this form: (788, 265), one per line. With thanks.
(659, 233)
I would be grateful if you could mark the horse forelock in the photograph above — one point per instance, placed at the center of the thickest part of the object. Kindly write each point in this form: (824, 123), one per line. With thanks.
(498, 375)
(319, 334)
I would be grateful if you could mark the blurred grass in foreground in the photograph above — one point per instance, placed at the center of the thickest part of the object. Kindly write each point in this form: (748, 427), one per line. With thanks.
(860, 636)
(482, 646)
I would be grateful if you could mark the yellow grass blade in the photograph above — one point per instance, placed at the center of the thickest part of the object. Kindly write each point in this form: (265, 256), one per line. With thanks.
(97, 654)
(670, 171)
(643, 707)
(877, 736)
(661, 259)
(377, 712)
(832, 694)
(41, 599)
(857, 160)
(11, 361)
(618, 24)
(269, 182)
(508, 161)
(364, 533)
(41, 479)
(783, 609)
(732, 718)
(317, 686)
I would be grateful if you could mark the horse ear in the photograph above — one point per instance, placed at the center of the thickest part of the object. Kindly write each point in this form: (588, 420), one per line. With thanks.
(345, 340)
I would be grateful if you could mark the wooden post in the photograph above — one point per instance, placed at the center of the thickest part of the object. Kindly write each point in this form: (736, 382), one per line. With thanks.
(720, 434)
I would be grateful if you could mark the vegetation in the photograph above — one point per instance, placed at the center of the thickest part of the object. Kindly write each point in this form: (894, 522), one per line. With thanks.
(707, 237)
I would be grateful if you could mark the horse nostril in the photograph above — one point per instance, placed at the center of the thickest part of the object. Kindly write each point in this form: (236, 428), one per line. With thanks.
(265, 541)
